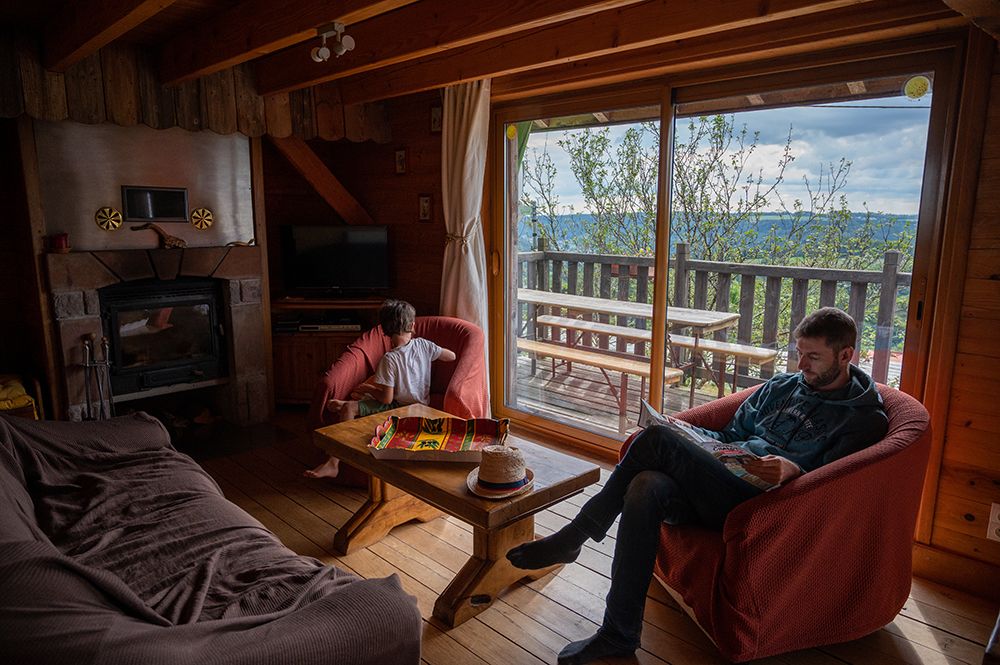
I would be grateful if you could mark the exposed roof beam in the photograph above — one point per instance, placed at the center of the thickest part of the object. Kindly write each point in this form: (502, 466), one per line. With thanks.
(882, 19)
(419, 30)
(984, 13)
(82, 27)
(605, 33)
(311, 167)
(257, 27)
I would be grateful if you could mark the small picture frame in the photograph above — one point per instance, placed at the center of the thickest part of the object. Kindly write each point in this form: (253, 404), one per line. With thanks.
(437, 118)
(401, 161)
(424, 207)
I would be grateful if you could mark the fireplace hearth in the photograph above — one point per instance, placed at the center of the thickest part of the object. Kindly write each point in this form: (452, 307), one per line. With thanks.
(163, 332)
(177, 321)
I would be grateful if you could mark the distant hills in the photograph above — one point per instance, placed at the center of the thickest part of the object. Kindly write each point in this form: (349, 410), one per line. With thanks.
(574, 227)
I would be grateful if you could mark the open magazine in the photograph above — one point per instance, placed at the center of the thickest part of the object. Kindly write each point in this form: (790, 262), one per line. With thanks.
(729, 454)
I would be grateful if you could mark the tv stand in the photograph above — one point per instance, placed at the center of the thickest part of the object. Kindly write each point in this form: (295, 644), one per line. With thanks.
(309, 335)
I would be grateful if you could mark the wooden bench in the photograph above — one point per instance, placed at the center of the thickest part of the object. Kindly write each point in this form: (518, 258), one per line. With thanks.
(755, 354)
(604, 362)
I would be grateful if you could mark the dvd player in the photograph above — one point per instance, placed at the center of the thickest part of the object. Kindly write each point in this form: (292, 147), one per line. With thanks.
(329, 327)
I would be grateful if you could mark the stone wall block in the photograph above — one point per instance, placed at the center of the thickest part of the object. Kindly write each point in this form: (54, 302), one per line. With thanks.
(250, 290)
(92, 302)
(68, 305)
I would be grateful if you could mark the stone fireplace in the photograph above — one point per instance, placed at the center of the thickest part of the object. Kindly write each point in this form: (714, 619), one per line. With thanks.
(239, 393)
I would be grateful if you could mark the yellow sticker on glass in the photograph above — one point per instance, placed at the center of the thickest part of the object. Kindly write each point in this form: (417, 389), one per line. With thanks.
(916, 87)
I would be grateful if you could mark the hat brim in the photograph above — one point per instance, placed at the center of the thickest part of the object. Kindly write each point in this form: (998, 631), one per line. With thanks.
(472, 480)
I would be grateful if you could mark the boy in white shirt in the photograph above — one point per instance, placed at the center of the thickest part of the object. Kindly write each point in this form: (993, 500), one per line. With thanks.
(403, 375)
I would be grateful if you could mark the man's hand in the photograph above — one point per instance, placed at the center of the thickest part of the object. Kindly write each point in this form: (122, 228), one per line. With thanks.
(773, 469)
(365, 390)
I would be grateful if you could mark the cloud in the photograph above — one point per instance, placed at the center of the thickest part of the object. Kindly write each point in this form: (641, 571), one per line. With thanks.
(884, 145)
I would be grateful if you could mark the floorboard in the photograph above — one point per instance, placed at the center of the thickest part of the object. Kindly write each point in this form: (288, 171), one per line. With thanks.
(531, 622)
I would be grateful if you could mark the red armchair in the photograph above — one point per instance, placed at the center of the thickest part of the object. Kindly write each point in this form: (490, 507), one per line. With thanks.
(825, 558)
(458, 387)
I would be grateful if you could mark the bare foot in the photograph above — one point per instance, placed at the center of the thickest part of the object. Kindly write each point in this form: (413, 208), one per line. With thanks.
(328, 469)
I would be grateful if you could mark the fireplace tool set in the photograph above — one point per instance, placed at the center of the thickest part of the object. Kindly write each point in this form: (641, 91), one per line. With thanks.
(97, 373)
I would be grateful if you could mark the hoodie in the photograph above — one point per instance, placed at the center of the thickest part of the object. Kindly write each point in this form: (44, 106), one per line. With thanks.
(809, 427)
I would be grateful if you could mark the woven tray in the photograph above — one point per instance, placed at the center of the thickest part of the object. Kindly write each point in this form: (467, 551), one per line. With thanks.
(436, 439)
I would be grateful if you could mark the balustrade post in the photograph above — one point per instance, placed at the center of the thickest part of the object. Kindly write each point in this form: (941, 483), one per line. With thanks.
(681, 275)
(886, 313)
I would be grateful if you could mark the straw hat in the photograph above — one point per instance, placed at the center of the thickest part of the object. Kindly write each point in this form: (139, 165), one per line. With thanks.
(501, 473)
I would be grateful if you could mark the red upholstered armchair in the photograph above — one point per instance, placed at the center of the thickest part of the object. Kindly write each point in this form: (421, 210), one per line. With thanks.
(825, 558)
(457, 387)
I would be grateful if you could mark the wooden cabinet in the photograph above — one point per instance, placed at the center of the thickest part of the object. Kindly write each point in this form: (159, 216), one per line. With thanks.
(301, 356)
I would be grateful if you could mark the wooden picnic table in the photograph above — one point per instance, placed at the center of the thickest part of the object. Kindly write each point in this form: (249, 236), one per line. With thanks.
(700, 321)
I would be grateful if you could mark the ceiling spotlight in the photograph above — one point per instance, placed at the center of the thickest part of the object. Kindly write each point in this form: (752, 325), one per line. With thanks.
(341, 44)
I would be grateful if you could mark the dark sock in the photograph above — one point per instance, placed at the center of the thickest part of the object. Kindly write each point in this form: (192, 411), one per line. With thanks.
(563, 546)
(592, 648)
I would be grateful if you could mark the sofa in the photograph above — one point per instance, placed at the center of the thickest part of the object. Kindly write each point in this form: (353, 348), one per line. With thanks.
(457, 387)
(825, 558)
(116, 548)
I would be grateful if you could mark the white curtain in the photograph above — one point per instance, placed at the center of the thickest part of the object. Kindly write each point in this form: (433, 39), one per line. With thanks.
(463, 165)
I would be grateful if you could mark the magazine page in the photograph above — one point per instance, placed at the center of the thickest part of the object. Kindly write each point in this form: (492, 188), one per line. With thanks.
(729, 454)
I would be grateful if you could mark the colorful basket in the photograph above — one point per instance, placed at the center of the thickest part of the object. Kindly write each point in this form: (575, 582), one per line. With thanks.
(437, 439)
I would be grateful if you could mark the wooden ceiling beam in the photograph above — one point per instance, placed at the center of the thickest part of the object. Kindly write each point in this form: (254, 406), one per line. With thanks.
(984, 13)
(882, 19)
(257, 27)
(82, 27)
(605, 33)
(311, 167)
(418, 30)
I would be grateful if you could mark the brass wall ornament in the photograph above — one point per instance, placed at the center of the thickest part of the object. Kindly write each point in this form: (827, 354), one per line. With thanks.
(108, 218)
(202, 218)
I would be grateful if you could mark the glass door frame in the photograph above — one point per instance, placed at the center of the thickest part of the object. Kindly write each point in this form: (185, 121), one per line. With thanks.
(942, 55)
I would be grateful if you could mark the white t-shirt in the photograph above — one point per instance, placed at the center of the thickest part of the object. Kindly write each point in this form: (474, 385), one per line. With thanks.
(407, 369)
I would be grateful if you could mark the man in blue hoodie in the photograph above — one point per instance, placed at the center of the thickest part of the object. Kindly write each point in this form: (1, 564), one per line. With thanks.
(794, 422)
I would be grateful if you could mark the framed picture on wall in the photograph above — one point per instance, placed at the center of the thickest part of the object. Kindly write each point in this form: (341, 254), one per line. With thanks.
(437, 118)
(401, 161)
(424, 207)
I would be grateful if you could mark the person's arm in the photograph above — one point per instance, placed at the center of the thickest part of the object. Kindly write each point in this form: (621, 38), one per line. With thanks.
(447, 355)
(384, 381)
(865, 430)
(383, 394)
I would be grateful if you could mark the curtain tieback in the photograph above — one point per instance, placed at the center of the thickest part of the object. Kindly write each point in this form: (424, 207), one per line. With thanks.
(462, 238)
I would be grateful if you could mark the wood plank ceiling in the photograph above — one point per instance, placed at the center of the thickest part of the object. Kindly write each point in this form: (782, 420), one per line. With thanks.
(407, 46)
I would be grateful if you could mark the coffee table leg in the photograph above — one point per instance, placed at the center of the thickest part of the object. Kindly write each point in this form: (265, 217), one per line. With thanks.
(386, 507)
(486, 573)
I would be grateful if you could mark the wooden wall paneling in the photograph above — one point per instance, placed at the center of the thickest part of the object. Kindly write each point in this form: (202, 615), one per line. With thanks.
(157, 103)
(11, 96)
(39, 316)
(260, 236)
(277, 115)
(44, 92)
(85, 90)
(956, 571)
(249, 105)
(960, 525)
(944, 300)
(300, 106)
(217, 94)
(367, 122)
(120, 72)
(329, 112)
(188, 106)
(971, 483)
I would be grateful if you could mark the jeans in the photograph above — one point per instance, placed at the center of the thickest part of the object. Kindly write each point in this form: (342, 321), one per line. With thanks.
(661, 478)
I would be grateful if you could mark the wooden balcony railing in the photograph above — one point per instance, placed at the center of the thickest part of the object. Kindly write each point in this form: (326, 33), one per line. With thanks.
(771, 300)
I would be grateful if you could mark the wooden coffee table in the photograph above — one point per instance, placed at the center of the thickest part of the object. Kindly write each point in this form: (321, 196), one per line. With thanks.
(400, 491)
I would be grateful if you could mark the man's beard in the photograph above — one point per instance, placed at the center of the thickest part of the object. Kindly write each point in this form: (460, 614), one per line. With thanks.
(825, 379)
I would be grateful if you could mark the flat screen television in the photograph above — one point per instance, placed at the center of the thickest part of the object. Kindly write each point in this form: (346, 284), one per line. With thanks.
(335, 260)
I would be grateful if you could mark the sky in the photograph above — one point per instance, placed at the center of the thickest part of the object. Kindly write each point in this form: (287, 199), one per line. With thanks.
(885, 145)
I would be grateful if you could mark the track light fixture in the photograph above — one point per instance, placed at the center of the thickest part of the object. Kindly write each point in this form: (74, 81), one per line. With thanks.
(341, 44)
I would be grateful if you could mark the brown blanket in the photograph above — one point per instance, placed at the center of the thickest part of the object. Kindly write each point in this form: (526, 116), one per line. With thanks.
(116, 548)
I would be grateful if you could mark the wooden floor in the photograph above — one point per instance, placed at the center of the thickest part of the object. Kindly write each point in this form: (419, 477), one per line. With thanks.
(260, 470)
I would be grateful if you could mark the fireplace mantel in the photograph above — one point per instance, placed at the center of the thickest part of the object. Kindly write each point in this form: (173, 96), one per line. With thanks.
(75, 277)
